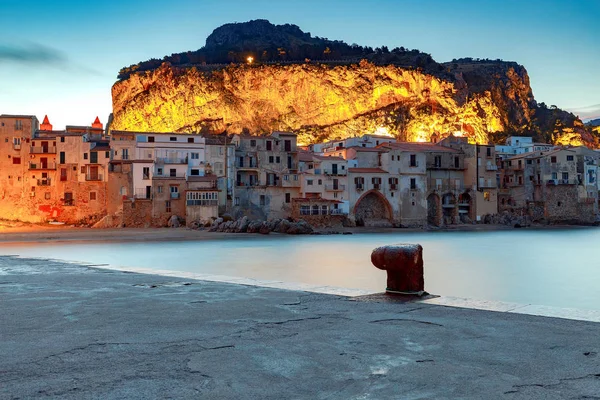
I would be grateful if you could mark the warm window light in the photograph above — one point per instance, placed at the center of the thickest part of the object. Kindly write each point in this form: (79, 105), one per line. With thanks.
(250, 59)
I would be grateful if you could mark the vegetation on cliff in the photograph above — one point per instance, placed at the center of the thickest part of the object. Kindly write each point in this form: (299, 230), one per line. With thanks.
(351, 90)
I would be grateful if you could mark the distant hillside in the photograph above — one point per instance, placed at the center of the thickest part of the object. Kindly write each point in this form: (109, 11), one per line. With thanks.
(594, 122)
(327, 89)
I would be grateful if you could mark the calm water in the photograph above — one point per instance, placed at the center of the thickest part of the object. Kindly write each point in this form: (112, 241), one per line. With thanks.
(554, 267)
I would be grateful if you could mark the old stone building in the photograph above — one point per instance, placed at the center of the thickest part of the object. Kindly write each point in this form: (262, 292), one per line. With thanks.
(57, 175)
(480, 175)
(267, 175)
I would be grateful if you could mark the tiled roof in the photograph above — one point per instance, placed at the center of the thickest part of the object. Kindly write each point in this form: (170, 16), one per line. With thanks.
(419, 147)
(366, 171)
(366, 149)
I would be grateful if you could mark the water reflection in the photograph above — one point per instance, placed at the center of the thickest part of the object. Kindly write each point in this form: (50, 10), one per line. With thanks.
(555, 267)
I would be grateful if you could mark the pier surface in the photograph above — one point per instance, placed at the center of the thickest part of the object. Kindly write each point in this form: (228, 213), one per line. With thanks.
(81, 332)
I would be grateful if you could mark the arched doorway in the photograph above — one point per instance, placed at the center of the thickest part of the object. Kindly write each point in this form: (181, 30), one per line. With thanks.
(464, 208)
(372, 209)
(433, 209)
(449, 208)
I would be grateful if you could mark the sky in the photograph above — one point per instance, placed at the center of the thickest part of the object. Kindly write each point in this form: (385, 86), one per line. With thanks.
(61, 58)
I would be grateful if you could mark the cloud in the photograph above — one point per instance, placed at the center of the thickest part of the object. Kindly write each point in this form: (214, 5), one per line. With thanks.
(588, 112)
(31, 54)
(38, 55)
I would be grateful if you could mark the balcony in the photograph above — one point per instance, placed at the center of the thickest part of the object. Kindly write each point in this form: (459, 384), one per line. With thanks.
(17, 146)
(174, 195)
(203, 203)
(393, 186)
(68, 202)
(42, 150)
(142, 194)
(168, 175)
(328, 172)
(247, 184)
(94, 177)
(337, 211)
(171, 160)
(253, 164)
(44, 182)
(491, 168)
(335, 188)
(360, 187)
(42, 166)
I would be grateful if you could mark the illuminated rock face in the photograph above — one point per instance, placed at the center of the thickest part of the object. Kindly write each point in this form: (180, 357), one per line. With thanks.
(322, 102)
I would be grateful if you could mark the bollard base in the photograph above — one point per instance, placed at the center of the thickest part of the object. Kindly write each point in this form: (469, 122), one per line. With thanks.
(420, 293)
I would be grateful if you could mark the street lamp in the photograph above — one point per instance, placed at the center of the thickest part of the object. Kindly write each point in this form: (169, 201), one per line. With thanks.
(250, 59)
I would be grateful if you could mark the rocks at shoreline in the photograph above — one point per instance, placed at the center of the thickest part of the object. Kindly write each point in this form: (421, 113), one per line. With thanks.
(507, 218)
(245, 225)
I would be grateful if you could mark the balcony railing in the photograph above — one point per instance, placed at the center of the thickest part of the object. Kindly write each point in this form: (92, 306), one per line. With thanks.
(42, 150)
(174, 195)
(142, 194)
(447, 186)
(335, 188)
(42, 166)
(16, 146)
(360, 187)
(167, 175)
(337, 211)
(68, 202)
(247, 184)
(44, 182)
(172, 160)
(253, 164)
(491, 168)
(203, 203)
(94, 177)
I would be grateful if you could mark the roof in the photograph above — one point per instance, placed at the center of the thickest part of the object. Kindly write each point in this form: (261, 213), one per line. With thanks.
(538, 154)
(17, 116)
(283, 133)
(205, 178)
(305, 156)
(366, 171)
(419, 147)
(152, 133)
(365, 149)
(319, 199)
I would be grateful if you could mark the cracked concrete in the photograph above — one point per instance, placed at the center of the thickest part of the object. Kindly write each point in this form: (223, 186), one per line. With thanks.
(76, 332)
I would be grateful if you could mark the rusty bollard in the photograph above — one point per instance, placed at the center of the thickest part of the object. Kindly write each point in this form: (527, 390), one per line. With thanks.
(404, 266)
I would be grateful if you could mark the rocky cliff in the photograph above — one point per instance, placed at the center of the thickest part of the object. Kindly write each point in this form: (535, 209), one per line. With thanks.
(401, 93)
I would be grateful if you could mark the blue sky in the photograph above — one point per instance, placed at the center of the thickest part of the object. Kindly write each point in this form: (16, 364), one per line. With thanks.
(61, 57)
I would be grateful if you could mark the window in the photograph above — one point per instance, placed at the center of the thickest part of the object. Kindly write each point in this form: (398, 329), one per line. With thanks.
(195, 172)
(68, 199)
(173, 138)
(569, 158)
(190, 140)
(107, 154)
(489, 154)
(174, 189)
(168, 206)
(315, 210)
(295, 177)
(304, 210)
(195, 156)
(288, 196)
(262, 200)
(62, 139)
(320, 181)
(63, 174)
(286, 177)
(172, 172)
(159, 189)
(437, 161)
(159, 171)
(18, 125)
(16, 160)
(413, 183)
(554, 175)
(335, 195)
(413, 160)
(236, 201)
(252, 143)
(269, 145)
(565, 176)
(287, 145)
(150, 139)
(146, 173)
(278, 160)
(47, 196)
(553, 159)
(309, 182)
(82, 169)
(376, 183)
(324, 210)
(392, 157)
(456, 162)
(85, 156)
(92, 196)
(271, 159)
(529, 162)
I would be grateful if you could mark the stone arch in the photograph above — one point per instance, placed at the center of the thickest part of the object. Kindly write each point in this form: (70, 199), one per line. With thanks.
(434, 210)
(373, 209)
(465, 207)
(449, 211)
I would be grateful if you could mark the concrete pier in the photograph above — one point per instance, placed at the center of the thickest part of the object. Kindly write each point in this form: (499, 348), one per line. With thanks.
(79, 332)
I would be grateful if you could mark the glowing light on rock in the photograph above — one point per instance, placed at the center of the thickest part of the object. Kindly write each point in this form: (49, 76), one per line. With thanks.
(383, 131)
(250, 59)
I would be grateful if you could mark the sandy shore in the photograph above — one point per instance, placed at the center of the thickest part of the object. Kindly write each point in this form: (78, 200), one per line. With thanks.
(16, 232)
